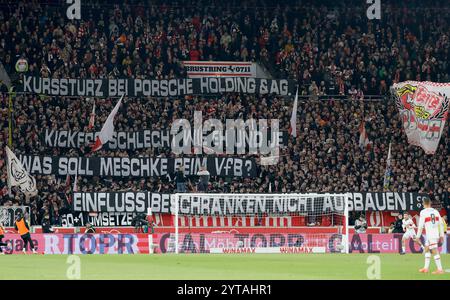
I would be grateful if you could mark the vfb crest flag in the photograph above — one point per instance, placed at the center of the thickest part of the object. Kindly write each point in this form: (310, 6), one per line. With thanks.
(423, 107)
(18, 176)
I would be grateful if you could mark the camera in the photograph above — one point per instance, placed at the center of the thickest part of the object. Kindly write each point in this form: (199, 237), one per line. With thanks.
(139, 221)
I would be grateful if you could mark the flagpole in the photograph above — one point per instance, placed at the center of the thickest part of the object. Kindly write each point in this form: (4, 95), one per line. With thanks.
(10, 118)
(387, 172)
(7, 175)
(293, 120)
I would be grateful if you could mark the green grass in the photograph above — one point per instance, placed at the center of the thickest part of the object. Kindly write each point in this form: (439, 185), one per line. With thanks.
(217, 266)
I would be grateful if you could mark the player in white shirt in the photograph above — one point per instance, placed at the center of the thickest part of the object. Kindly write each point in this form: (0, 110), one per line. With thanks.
(409, 229)
(431, 220)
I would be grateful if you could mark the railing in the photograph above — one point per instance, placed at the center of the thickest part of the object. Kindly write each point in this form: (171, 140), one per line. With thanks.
(342, 98)
(300, 97)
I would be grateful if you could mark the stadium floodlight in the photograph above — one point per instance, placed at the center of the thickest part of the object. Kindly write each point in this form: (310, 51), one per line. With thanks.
(259, 223)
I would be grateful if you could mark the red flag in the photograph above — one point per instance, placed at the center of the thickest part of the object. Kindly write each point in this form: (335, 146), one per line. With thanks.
(68, 195)
(92, 118)
(108, 129)
(67, 183)
(364, 142)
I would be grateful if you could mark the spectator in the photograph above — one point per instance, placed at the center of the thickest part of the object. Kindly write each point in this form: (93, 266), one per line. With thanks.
(398, 225)
(46, 226)
(181, 180)
(203, 183)
(89, 228)
(361, 224)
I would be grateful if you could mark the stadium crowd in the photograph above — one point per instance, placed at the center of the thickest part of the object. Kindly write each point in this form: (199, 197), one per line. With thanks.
(319, 48)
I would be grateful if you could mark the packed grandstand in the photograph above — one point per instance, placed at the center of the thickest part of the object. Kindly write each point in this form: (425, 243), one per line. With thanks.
(342, 62)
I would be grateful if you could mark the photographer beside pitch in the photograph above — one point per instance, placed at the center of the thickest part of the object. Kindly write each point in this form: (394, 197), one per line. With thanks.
(431, 220)
(24, 230)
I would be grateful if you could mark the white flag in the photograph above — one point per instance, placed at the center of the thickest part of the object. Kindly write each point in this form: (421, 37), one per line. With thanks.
(108, 128)
(18, 176)
(293, 126)
(423, 107)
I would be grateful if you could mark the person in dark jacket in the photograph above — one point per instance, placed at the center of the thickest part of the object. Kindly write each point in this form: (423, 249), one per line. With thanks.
(180, 179)
(398, 225)
(46, 226)
(204, 176)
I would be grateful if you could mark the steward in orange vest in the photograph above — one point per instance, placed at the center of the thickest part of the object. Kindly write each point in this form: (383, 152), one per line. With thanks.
(24, 230)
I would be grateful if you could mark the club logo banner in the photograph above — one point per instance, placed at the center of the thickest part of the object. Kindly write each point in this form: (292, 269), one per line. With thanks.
(199, 69)
(385, 201)
(103, 88)
(141, 167)
(423, 108)
(17, 176)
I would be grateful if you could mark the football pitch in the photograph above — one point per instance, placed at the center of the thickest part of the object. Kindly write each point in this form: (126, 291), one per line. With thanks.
(217, 266)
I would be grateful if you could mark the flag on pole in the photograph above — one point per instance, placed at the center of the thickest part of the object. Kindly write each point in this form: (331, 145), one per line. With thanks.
(18, 176)
(4, 78)
(67, 183)
(75, 182)
(426, 105)
(108, 129)
(92, 117)
(293, 125)
(67, 189)
(364, 142)
(388, 172)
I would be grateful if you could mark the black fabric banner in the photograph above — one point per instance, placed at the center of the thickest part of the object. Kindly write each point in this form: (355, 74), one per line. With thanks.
(121, 202)
(385, 201)
(103, 88)
(206, 204)
(245, 204)
(103, 219)
(121, 140)
(137, 166)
